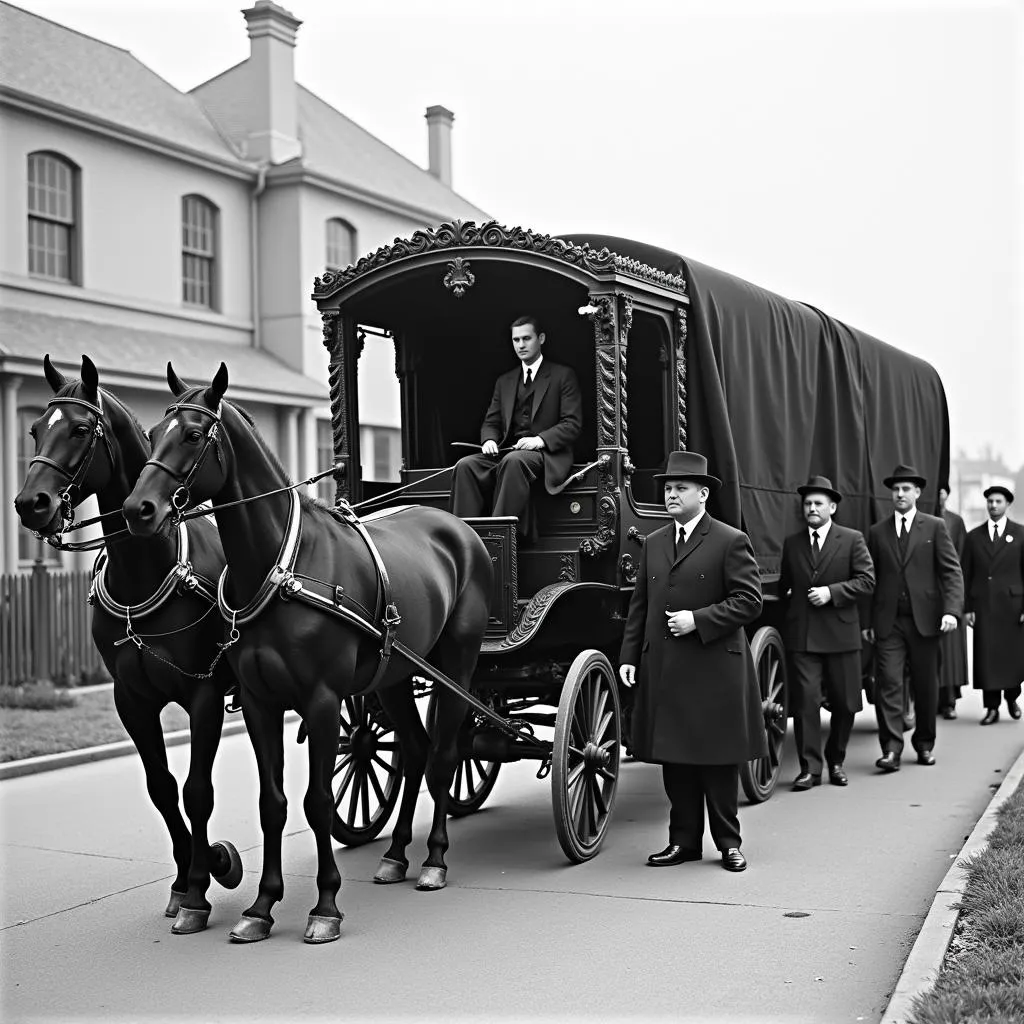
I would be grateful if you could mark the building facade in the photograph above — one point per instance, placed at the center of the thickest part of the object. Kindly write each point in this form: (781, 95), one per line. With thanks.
(143, 224)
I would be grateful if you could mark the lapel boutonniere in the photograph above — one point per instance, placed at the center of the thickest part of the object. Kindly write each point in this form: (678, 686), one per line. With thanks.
(1009, 538)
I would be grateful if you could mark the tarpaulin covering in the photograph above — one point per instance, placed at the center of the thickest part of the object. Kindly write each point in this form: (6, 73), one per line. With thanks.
(778, 391)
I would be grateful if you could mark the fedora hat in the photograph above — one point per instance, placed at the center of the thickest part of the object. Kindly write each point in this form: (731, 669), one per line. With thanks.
(999, 489)
(905, 474)
(819, 485)
(689, 466)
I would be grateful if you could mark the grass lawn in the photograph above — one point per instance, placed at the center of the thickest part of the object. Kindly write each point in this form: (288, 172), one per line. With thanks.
(90, 721)
(982, 977)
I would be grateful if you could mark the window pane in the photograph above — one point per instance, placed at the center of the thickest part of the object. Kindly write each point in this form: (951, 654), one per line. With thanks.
(340, 244)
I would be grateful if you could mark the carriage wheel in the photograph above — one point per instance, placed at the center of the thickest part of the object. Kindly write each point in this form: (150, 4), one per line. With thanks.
(474, 778)
(585, 756)
(760, 775)
(367, 773)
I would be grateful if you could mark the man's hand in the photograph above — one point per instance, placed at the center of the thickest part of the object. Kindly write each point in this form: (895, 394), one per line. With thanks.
(819, 596)
(680, 623)
(868, 634)
(489, 447)
(627, 673)
(969, 619)
(530, 444)
(948, 624)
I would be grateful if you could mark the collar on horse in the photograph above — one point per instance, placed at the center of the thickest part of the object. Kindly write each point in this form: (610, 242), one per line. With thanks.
(77, 478)
(181, 579)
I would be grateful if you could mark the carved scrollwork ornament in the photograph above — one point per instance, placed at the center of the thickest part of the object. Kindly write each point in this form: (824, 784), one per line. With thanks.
(329, 318)
(607, 527)
(628, 568)
(459, 277)
(567, 573)
(681, 374)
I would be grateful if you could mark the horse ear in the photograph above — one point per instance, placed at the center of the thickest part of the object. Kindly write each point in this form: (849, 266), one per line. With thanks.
(174, 382)
(53, 376)
(90, 375)
(218, 386)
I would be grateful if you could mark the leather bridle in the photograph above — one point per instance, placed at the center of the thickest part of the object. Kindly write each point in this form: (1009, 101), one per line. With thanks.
(181, 498)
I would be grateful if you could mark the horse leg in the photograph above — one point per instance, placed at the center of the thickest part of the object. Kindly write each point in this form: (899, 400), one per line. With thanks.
(141, 720)
(321, 715)
(206, 719)
(400, 704)
(266, 730)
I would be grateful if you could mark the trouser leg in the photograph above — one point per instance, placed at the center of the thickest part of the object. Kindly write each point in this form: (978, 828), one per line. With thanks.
(890, 660)
(924, 681)
(516, 472)
(686, 805)
(472, 482)
(842, 685)
(807, 680)
(991, 699)
(720, 782)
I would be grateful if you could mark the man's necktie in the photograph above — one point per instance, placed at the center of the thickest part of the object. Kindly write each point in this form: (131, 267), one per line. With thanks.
(675, 543)
(904, 534)
(815, 548)
(995, 535)
(529, 376)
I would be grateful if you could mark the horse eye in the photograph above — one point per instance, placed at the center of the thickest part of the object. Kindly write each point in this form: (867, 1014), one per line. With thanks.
(80, 430)
(194, 436)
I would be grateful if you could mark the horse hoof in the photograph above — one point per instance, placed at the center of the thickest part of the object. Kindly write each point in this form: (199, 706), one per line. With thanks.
(322, 929)
(251, 929)
(232, 874)
(188, 921)
(174, 903)
(390, 871)
(432, 878)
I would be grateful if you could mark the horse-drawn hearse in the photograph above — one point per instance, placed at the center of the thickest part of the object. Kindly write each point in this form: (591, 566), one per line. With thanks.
(670, 354)
(348, 613)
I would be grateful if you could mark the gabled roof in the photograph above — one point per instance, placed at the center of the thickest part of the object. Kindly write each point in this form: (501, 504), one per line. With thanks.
(47, 62)
(334, 147)
(26, 335)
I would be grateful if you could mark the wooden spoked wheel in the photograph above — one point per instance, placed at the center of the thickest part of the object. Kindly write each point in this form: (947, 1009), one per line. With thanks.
(760, 776)
(367, 774)
(585, 756)
(474, 777)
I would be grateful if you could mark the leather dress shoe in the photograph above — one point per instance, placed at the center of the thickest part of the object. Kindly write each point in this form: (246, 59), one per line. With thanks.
(733, 860)
(949, 714)
(990, 717)
(805, 780)
(673, 854)
(837, 776)
(889, 762)
(1014, 708)
(925, 757)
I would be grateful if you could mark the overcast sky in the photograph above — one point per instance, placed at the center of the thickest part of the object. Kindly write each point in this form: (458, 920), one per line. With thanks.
(863, 156)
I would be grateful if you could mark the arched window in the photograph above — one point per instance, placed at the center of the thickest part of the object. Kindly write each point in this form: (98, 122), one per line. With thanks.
(29, 546)
(341, 244)
(198, 252)
(52, 217)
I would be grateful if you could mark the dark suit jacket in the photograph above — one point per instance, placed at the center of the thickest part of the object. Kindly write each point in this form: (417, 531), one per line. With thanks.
(557, 415)
(934, 580)
(845, 567)
(697, 697)
(994, 580)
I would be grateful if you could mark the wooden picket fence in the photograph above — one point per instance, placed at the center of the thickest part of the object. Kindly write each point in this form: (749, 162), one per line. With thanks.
(45, 627)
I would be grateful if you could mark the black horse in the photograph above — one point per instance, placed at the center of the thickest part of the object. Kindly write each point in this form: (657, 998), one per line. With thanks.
(151, 588)
(289, 655)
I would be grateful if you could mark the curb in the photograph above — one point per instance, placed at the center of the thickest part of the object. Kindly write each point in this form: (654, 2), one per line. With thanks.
(68, 758)
(929, 949)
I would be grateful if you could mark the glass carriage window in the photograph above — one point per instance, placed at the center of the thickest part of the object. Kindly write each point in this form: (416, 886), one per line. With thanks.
(324, 460)
(341, 244)
(198, 251)
(30, 547)
(51, 217)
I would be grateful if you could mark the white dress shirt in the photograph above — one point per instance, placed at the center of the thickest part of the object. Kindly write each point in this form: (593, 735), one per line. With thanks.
(996, 527)
(909, 516)
(687, 529)
(822, 532)
(533, 367)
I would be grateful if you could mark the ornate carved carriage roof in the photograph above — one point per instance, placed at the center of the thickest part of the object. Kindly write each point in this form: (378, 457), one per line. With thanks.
(492, 235)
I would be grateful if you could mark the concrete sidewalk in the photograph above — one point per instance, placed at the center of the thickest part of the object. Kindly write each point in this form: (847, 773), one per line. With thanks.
(816, 930)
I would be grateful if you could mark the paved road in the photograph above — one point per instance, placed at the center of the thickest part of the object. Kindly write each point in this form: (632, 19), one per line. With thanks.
(519, 933)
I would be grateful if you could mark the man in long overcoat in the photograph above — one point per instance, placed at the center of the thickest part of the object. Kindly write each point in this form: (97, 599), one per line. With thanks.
(698, 708)
(994, 582)
(953, 645)
(826, 571)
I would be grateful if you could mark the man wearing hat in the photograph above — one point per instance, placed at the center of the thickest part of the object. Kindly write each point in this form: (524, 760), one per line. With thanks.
(698, 708)
(826, 571)
(919, 595)
(994, 581)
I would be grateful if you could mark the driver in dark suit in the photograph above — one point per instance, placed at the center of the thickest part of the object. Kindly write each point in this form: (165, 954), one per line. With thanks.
(536, 410)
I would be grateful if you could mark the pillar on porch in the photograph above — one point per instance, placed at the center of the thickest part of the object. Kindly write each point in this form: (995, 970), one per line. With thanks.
(9, 484)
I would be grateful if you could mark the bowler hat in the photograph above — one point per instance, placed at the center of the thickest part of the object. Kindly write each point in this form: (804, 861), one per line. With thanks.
(819, 485)
(689, 466)
(904, 474)
(999, 489)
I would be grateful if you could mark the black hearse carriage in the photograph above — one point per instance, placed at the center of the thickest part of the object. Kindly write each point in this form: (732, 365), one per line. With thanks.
(669, 354)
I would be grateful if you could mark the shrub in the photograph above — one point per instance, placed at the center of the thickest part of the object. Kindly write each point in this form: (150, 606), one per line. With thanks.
(40, 695)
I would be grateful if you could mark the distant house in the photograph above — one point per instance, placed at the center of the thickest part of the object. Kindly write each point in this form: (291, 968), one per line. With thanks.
(143, 224)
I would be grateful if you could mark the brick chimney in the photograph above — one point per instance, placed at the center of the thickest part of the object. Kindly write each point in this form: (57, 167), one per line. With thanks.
(275, 133)
(439, 140)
